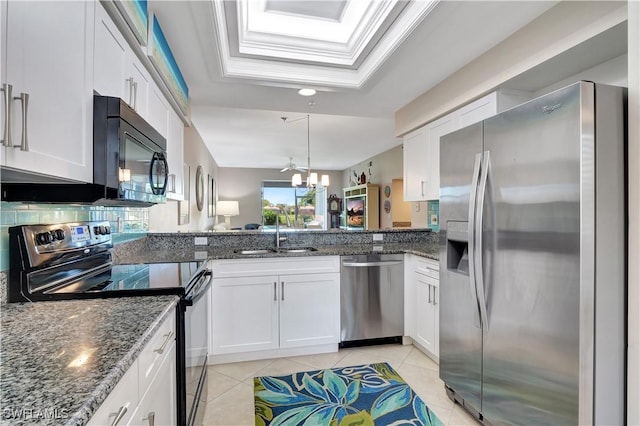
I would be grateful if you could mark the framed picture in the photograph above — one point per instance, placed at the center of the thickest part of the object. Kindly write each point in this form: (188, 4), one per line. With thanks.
(211, 210)
(162, 59)
(184, 206)
(135, 14)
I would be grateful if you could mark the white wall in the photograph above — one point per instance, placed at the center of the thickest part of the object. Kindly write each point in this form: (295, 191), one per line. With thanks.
(245, 185)
(164, 217)
(613, 72)
(562, 27)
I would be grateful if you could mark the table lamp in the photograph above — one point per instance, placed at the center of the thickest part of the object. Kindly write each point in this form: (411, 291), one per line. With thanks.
(228, 209)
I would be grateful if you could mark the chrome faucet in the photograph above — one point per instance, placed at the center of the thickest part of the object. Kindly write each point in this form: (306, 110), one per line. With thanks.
(279, 239)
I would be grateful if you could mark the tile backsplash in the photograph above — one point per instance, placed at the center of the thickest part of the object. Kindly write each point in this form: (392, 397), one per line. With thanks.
(433, 215)
(123, 220)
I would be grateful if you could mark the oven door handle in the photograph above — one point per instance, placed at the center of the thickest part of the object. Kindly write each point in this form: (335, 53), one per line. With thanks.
(199, 289)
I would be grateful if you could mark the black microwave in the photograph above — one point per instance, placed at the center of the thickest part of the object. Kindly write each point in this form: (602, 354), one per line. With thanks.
(129, 164)
(129, 156)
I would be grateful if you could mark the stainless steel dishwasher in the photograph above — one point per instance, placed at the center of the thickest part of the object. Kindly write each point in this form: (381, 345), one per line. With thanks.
(371, 298)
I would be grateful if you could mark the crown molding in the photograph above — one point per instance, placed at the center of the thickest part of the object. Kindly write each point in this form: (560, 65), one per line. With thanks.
(315, 73)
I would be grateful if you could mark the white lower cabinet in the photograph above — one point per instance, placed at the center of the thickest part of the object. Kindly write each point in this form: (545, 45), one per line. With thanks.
(427, 310)
(281, 304)
(422, 315)
(245, 314)
(158, 404)
(146, 394)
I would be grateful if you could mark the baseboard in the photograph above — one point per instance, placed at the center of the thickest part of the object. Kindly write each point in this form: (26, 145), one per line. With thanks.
(272, 353)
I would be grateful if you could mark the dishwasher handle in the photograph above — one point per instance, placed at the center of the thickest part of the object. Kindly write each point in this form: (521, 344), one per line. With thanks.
(367, 264)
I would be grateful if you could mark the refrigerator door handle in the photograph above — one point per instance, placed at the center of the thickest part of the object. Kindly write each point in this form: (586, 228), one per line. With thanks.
(478, 258)
(471, 230)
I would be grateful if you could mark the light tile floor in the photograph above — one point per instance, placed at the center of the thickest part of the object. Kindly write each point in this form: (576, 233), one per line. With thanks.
(230, 386)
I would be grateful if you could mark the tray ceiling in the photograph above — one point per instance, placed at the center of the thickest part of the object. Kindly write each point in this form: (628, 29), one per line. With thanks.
(321, 43)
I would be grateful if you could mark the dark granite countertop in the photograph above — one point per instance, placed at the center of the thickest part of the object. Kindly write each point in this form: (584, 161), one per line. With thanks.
(39, 341)
(427, 249)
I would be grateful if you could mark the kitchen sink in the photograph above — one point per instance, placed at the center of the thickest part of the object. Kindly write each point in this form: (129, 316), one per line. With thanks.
(253, 251)
(296, 249)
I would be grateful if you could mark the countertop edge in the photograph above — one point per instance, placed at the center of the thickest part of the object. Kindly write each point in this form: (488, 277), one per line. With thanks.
(101, 393)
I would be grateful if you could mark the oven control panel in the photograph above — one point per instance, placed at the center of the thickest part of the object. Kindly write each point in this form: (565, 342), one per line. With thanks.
(41, 242)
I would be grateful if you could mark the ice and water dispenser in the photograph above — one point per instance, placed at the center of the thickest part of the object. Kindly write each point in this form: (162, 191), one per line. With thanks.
(458, 247)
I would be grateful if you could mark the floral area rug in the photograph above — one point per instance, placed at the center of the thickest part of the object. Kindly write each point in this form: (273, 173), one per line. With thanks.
(363, 395)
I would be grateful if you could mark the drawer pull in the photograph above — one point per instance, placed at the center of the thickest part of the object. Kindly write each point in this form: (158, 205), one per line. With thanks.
(118, 416)
(167, 336)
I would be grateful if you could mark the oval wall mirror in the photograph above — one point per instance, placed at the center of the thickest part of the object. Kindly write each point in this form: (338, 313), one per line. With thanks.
(199, 188)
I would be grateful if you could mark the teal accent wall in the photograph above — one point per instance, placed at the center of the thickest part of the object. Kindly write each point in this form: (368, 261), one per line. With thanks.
(433, 215)
(126, 222)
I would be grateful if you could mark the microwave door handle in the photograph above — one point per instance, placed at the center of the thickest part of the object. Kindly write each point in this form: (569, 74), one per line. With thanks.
(159, 190)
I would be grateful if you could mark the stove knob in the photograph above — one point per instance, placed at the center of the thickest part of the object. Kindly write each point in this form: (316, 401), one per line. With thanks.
(96, 230)
(103, 231)
(59, 233)
(107, 230)
(43, 238)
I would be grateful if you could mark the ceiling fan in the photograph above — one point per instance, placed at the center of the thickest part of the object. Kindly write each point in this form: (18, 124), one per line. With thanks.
(293, 166)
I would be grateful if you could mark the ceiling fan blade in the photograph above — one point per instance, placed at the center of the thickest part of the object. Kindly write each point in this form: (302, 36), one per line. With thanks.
(284, 170)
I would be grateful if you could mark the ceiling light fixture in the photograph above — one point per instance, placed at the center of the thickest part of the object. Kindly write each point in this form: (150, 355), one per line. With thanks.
(306, 92)
(312, 178)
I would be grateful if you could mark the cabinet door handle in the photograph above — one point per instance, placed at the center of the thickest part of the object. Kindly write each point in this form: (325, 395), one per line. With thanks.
(422, 187)
(8, 97)
(151, 418)
(118, 416)
(135, 95)
(282, 286)
(275, 290)
(429, 301)
(24, 142)
(161, 349)
(435, 298)
(130, 81)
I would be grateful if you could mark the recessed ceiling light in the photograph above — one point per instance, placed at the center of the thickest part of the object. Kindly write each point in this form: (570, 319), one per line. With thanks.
(306, 92)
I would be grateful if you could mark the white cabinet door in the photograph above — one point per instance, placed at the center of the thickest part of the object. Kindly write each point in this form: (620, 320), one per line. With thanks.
(158, 406)
(434, 131)
(309, 309)
(158, 110)
(140, 84)
(175, 155)
(49, 57)
(110, 58)
(244, 313)
(425, 312)
(415, 154)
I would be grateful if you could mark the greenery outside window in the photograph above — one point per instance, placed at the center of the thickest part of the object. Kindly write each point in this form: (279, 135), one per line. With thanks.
(293, 207)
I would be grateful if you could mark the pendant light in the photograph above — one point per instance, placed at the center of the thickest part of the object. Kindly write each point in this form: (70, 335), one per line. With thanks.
(312, 177)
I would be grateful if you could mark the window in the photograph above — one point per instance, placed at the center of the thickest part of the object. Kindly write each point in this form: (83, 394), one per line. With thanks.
(294, 207)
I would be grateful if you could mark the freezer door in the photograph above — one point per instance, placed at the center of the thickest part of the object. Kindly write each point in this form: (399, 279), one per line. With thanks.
(460, 332)
(531, 257)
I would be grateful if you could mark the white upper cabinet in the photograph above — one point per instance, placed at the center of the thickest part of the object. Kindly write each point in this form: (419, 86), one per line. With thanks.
(158, 110)
(175, 156)
(48, 53)
(110, 58)
(435, 130)
(422, 146)
(414, 154)
(117, 70)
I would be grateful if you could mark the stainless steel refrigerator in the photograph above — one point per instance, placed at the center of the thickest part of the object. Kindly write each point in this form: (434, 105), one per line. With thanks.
(533, 259)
